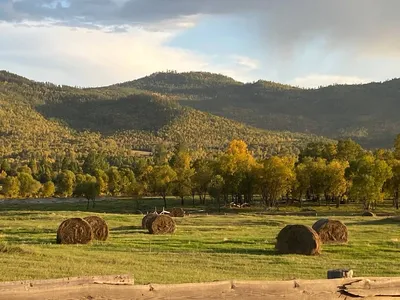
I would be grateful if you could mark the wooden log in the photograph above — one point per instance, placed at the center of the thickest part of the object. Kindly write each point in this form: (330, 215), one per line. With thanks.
(372, 287)
(31, 285)
(111, 287)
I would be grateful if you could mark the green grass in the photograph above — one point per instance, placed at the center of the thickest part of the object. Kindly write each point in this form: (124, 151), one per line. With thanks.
(204, 248)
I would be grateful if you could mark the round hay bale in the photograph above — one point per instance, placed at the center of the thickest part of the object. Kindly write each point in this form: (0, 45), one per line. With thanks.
(146, 218)
(99, 227)
(298, 239)
(177, 212)
(74, 231)
(368, 214)
(331, 231)
(161, 224)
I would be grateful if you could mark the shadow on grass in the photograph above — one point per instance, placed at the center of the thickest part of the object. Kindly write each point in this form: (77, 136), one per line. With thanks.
(385, 221)
(128, 230)
(31, 236)
(244, 251)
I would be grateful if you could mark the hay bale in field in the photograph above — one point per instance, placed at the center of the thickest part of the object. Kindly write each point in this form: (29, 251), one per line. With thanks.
(74, 231)
(99, 227)
(368, 214)
(177, 212)
(298, 239)
(147, 218)
(331, 231)
(161, 224)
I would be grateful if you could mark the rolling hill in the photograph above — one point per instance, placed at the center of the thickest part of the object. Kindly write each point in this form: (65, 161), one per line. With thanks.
(367, 113)
(47, 118)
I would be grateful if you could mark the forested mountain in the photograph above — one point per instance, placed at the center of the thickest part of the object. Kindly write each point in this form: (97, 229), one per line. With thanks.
(42, 118)
(367, 113)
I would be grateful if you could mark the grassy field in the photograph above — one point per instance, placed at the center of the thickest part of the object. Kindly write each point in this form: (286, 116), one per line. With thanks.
(237, 244)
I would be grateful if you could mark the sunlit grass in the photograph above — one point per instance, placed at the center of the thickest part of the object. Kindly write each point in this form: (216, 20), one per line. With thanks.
(204, 248)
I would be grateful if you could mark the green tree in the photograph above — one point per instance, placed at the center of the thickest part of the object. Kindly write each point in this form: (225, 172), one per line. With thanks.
(11, 187)
(5, 166)
(201, 179)
(24, 169)
(348, 150)
(3, 176)
(28, 185)
(236, 165)
(181, 164)
(161, 154)
(161, 181)
(393, 184)
(335, 184)
(368, 175)
(114, 181)
(302, 184)
(48, 189)
(44, 173)
(102, 180)
(215, 188)
(127, 179)
(65, 183)
(94, 161)
(89, 188)
(316, 169)
(275, 178)
(319, 150)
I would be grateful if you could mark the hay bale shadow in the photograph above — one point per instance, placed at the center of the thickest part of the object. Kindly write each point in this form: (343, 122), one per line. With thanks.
(126, 228)
(384, 221)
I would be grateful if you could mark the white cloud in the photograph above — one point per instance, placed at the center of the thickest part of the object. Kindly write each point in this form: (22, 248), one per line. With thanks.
(246, 62)
(87, 57)
(317, 80)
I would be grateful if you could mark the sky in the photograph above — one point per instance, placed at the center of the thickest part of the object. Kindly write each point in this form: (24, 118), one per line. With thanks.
(306, 43)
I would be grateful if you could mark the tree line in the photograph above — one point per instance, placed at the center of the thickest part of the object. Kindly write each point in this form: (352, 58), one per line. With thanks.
(330, 173)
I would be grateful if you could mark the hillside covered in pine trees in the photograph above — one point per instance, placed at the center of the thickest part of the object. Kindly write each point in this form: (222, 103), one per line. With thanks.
(367, 113)
(44, 118)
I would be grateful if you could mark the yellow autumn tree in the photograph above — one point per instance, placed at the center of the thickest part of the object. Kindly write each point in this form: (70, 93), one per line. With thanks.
(237, 167)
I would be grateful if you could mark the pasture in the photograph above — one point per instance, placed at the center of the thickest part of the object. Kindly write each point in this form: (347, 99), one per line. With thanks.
(235, 244)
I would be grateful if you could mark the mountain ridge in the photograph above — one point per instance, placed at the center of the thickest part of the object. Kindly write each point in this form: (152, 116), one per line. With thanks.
(364, 112)
(118, 120)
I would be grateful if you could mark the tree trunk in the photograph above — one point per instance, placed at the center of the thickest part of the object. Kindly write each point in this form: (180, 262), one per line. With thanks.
(165, 200)
(183, 201)
(337, 202)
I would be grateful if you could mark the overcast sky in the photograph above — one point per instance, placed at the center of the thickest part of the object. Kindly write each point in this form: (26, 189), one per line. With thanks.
(301, 42)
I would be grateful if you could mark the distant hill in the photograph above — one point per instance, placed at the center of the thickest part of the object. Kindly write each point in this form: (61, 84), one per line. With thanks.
(367, 113)
(46, 118)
